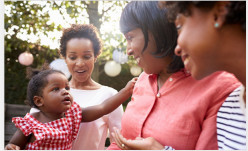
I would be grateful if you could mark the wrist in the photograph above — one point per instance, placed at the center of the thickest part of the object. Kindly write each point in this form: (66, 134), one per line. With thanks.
(126, 91)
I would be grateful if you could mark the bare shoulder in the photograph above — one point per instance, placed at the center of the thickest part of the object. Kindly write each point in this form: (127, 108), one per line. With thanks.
(36, 115)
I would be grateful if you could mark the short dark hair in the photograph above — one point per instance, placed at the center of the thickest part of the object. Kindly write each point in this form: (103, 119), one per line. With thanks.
(88, 31)
(236, 13)
(37, 83)
(147, 16)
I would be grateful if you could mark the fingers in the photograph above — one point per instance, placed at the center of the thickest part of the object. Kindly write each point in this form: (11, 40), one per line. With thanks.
(117, 140)
(9, 147)
(139, 138)
(127, 144)
(12, 147)
(123, 141)
(17, 147)
(134, 79)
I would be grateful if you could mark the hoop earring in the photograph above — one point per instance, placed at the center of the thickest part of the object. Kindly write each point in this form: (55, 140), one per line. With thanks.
(216, 25)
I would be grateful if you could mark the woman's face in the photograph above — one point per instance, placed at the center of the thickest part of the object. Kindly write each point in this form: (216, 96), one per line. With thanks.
(135, 44)
(198, 42)
(80, 59)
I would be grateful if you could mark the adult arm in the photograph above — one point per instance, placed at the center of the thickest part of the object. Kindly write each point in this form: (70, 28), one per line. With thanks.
(208, 137)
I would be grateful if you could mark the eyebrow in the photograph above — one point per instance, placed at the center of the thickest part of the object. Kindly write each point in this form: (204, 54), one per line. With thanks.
(72, 52)
(53, 84)
(87, 51)
(57, 84)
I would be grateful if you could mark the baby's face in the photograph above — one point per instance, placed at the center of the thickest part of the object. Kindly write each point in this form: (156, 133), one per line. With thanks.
(56, 94)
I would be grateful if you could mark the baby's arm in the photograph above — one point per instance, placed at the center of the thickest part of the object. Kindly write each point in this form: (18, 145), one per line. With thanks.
(94, 112)
(18, 141)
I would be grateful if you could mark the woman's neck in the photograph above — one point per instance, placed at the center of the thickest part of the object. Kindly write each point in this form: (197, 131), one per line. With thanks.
(162, 77)
(86, 85)
(234, 46)
(236, 62)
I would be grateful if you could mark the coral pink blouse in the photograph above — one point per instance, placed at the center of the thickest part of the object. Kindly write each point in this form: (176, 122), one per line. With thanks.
(182, 114)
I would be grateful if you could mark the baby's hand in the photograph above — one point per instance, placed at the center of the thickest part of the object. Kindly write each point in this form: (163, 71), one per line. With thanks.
(12, 147)
(130, 85)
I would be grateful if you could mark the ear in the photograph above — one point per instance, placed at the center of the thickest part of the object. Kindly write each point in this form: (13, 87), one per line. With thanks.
(220, 12)
(38, 101)
(95, 59)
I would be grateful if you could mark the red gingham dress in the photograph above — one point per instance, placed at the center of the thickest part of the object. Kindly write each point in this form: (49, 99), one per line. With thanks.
(54, 135)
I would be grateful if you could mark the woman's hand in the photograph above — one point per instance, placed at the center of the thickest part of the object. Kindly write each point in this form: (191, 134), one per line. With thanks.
(12, 147)
(148, 143)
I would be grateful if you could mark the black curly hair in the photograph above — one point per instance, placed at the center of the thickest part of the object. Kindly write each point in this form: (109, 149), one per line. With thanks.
(38, 80)
(88, 31)
(236, 13)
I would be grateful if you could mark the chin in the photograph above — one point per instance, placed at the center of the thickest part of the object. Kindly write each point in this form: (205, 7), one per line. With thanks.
(199, 75)
(150, 71)
(82, 79)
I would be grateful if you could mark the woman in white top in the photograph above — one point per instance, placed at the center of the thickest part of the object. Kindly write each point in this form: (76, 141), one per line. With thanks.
(80, 45)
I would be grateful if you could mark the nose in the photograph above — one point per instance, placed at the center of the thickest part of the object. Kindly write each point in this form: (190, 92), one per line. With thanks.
(80, 62)
(65, 92)
(129, 50)
(178, 50)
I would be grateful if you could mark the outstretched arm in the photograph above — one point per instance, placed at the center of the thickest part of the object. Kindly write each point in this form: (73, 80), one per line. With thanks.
(17, 142)
(94, 112)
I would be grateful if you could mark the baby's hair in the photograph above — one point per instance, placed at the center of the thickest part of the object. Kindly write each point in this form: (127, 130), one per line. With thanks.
(38, 80)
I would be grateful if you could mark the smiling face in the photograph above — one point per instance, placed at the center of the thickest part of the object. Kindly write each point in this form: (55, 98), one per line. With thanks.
(198, 42)
(55, 96)
(80, 59)
(148, 62)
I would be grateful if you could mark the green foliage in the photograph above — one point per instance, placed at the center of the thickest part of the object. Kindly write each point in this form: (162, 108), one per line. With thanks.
(33, 18)
(15, 73)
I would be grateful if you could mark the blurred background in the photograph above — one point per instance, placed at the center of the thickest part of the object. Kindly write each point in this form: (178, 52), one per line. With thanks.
(32, 30)
(32, 33)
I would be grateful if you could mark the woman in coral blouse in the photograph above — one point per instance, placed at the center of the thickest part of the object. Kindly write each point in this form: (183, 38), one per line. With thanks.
(167, 104)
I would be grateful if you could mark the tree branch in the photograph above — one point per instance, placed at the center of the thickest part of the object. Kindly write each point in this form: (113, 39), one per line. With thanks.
(84, 2)
(104, 11)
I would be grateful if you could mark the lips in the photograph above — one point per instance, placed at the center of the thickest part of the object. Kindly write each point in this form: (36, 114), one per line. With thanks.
(67, 100)
(80, 71)
(137, 59)
(185, 59)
